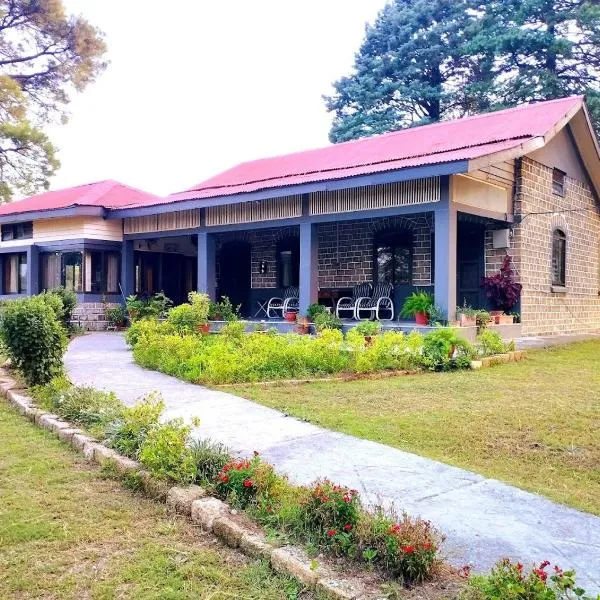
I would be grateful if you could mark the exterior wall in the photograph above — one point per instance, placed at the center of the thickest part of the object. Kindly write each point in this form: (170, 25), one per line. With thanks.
(479, 194)
(543, 311)
(96, 228)
(90, 315)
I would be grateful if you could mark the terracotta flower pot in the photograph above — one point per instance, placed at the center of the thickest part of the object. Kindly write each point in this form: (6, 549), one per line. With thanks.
(468, 321)
(505, 320)
(368, 340)
(496, 314)
(421, 318)
(204, 329)
(290, 316)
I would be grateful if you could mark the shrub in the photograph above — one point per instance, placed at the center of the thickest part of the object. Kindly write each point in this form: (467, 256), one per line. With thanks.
(234, 330)
(390, 350)
(325, 320)
(223, 310)
(417, 302)
(209, 457)
(368, 328)
(314, 310)
(148, 307)
(116, 315)
(69, 302)
(127, 433)
(183, 319)
(510, 581)
(55, 302)
(166, 454)
(405, 547)
(33, 338)
(501, 288)
(489, 342)
(443, 350)
(146, 329)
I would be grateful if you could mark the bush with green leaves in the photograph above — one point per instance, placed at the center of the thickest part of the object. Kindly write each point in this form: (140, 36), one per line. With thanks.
(489, 342)
(444, 350)
(417, 302)
(69, 302)
(512, 581)
(33, 338)
(166, 453)
(145, 329)
(209, 457)
(116, 315)
(127, 434)
(223, 310)
(368, 328)
(391, 350)
(325, 320)
(148, 307)
(314, 310)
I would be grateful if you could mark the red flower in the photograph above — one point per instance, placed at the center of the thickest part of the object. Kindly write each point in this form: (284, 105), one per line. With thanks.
(248, 483)
(408, 549)
(519, 567)
(545, 564)
(464, 571)
(427, 546)
(347, 527)
(223, 478)
(331, 533)
(396, 528)
(541, 574)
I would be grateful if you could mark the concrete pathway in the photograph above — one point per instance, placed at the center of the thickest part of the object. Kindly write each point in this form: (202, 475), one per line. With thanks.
(483, 519)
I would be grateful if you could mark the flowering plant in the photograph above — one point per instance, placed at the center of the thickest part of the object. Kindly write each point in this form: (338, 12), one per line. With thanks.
(501, 288)
(509, 580)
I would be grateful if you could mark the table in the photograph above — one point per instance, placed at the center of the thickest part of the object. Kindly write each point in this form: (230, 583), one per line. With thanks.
(262, 309)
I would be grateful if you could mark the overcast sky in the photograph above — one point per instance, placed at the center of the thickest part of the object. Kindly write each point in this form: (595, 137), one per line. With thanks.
(196, 86)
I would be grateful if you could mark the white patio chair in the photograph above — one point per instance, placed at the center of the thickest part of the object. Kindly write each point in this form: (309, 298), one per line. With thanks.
(289, 302)
(380, 300)
(347, 304)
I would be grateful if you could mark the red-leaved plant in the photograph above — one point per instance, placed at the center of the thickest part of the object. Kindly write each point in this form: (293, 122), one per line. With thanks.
(501, 289)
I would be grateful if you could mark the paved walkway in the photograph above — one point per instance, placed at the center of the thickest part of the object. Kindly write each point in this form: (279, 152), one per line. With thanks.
(483, 519)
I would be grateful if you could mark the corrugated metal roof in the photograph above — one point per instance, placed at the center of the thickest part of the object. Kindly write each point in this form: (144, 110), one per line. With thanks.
(102, 194)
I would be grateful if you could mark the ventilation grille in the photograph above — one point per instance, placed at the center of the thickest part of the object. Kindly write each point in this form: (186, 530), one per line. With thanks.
(249, 212)
(184, 219)
(418, 191)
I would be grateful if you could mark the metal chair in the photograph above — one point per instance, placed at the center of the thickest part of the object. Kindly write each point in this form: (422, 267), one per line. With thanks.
(380, 300)
(348, 304)
(289, 302)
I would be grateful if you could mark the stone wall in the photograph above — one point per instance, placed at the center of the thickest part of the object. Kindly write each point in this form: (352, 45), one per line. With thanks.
(578, 215)
(90, 316)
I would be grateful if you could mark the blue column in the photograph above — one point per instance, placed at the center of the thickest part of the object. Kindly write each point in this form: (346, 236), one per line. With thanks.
(445, 253)
(127, 269)
(1, 274)
(33, 273)
(207, 280)
(309, 274)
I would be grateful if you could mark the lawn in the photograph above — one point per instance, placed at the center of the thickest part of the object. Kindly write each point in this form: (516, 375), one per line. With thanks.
(67, 532)
(534, 424)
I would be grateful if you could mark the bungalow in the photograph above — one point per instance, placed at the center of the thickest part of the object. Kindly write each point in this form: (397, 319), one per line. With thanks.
(435, 207)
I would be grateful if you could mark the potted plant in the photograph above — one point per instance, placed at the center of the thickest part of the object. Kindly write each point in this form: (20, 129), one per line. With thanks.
(467, 316)
(223, 310)
(326, 320)
(303, 326)
(314, 310)
(502, 290)
(368, 329)
(418, 305)
(200, 306)
(116, 316)
(290, 316)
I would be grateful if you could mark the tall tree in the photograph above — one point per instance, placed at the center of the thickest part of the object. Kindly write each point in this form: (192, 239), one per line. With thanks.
(408, 71)
(425, 60)
(45, 55)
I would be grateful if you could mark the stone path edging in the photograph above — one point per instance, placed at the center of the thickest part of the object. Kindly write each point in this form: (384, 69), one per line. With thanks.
(210, 513)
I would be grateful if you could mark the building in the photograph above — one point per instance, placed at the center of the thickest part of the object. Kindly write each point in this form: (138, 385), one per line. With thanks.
(434, 207)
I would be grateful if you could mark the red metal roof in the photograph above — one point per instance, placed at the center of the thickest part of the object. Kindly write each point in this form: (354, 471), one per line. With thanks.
(460, 139)
(102, 194)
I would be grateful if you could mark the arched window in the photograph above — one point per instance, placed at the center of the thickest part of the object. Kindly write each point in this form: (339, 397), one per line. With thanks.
(393, 257)
(559, 258)
(288, 261)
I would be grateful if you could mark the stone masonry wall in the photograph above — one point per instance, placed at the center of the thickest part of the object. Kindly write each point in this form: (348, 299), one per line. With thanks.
(578, 215)
(90, 316)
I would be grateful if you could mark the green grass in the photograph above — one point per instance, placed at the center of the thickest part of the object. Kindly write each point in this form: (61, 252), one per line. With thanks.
(534, 424)
(67, 532)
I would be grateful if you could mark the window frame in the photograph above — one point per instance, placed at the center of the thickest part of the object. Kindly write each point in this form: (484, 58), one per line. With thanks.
(394, 239)
(559, 258)
(558, 182)
(16, 231)
(289, 244)
(21, 285)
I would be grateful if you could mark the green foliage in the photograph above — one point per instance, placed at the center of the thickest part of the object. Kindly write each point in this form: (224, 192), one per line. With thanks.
(444, 350)
(324, 320)
(33, 338)
(165, 452)
(145, 329)
(116, 315)
(511, 581)
(47, 54)
(148, 307)
(69, 302)
(429, 60)
(128, 432)
(489, 343)
(417, 302)
(209, 457)
(368, 328)
(184, 319)
(81, 405)
(437, 316)
(314, 310)
(223, 310)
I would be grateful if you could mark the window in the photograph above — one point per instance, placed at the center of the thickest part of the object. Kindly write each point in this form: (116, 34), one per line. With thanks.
(72, 271)
(393, 258)
(101, 272)
(50, 271)
(559, 258)
(15, 273)
(558, 182)
(288, 262)
(17, 231)
(146, 272)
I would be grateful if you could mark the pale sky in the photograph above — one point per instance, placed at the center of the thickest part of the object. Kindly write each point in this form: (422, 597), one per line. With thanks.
(195, 86)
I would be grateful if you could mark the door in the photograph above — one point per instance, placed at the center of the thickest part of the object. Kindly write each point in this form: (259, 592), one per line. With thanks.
(235, 277)
(470, 254)
(173, 277)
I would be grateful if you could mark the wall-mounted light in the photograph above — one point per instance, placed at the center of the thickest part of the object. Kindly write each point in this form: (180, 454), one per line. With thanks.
(263, 266)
